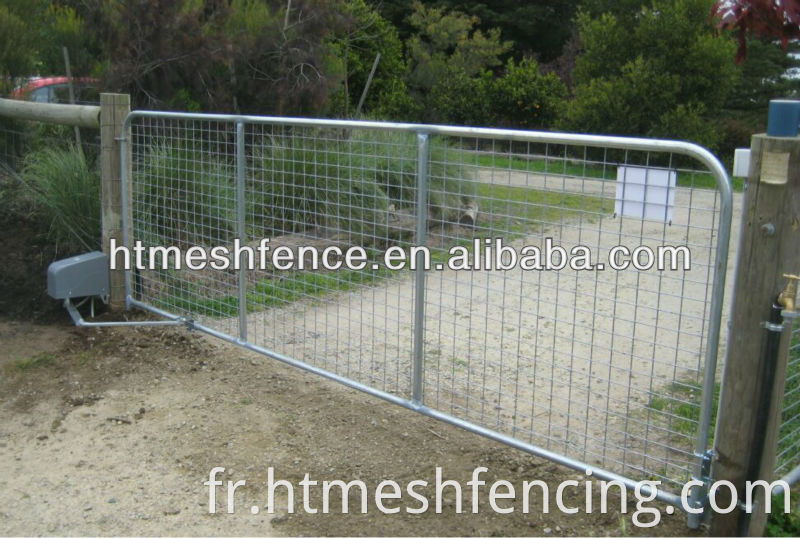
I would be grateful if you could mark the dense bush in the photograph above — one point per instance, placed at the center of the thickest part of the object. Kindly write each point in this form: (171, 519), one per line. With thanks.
(184, 195)
(658, 71)
(295, 183)
(525, 98)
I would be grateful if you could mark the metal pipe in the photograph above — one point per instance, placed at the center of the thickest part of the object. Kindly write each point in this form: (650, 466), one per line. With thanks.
(417, 372)
(125, 195)
(769, 366)
(602, 474)
(241, 209)
(78, 320)
(791, 478)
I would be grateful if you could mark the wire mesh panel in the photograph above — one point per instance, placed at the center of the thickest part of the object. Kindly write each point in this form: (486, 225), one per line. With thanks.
(13, 137)
(788, 454)
(519, 325)
(304, 188)
(599, 364)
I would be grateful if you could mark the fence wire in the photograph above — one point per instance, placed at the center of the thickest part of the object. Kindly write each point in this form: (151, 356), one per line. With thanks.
(788, 455)
(18, 138)
(604, 367)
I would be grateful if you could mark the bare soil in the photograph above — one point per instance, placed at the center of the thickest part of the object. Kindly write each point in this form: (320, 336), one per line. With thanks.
(114, 431)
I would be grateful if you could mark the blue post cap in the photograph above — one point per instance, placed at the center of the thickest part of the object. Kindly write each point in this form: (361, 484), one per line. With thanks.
(784, 117)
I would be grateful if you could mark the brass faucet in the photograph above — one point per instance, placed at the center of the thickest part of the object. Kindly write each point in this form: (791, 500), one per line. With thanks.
(788, 297)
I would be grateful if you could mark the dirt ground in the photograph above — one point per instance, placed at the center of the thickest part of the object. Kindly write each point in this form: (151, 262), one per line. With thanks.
(114, 431)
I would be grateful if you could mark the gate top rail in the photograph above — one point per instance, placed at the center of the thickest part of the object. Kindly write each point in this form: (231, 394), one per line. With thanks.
(612, 142)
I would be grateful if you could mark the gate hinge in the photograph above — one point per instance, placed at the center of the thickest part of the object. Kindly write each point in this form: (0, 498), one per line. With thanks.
(699, 496)
(706, 458)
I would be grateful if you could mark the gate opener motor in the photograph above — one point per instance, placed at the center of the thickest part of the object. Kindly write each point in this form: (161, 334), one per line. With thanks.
(86, 277)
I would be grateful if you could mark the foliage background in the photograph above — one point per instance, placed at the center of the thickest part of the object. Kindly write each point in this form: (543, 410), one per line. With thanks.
(661, 68)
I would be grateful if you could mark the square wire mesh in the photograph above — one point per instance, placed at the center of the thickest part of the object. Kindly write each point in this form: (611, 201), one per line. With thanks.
(602, 366)
(788, 453)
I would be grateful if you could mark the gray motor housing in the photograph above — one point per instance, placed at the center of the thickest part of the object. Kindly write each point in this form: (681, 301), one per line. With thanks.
(79, 276)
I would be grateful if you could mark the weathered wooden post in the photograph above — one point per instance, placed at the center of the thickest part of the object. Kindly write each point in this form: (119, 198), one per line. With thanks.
(755, 368)
(114, 108)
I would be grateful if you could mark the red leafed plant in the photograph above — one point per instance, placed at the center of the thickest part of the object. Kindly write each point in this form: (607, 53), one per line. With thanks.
(778, 19)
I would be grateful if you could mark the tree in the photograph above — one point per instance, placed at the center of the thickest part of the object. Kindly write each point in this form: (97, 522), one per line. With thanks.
(525, 98)
(537, 28)
(763, 78)
(763, 18)
(447, 45)
(32, 34)
(241, 55)
(16, 51)
(661, 71)
(355, 46)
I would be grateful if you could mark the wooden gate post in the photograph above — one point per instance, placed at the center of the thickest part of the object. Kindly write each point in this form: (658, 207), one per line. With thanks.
(769, 247)
(114, 108)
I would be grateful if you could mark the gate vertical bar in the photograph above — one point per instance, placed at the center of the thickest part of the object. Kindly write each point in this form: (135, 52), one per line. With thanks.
(241, 209)
(703, 469)
(423, 154)
(126, 186)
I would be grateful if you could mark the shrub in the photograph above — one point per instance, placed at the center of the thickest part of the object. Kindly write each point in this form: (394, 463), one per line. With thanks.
(526, 98)
(65, 190)
(346, 185)
(181, 196)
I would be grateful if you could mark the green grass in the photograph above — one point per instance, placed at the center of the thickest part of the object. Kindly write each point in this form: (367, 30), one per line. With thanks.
(287, 288)
(524, 207)
(542, 165)
(65, 190)
(680, 403)
(37, 361)
(679, 407)
(780, 524)
(573, 168)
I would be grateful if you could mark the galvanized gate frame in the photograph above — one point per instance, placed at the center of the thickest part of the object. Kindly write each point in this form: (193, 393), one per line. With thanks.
(423, 133)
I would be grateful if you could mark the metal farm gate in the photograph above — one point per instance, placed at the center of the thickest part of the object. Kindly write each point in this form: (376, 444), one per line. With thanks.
(607, 370)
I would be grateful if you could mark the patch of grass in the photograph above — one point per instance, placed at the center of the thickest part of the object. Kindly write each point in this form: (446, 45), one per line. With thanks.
(195, 304)
(780, 524)
(184, 195)
(678, 406)
(544, 165)
(560, 166)
(41, 360)
(523, 207)
(346, 184)
(65, 188)
(679, 403)
(274, 292)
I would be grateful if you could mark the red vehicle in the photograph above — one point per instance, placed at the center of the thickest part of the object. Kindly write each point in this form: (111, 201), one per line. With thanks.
(56, 90)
